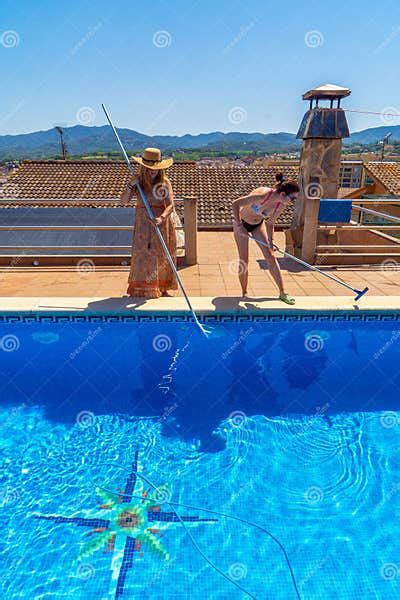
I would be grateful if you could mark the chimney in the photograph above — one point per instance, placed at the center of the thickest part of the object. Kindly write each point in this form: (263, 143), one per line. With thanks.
(322, 130)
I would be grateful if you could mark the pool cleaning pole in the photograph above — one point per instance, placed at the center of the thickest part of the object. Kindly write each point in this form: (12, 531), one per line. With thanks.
(151, 217)
(359, 293)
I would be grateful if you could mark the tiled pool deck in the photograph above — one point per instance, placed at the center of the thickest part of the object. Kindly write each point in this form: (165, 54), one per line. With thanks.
(213, 278)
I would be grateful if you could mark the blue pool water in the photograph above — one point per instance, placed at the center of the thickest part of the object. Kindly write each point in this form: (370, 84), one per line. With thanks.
(292, 428)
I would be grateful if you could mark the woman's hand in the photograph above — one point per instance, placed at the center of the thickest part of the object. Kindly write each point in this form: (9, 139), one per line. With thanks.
(272, 247)
(127, 194)
(240, 228)
(158, 221)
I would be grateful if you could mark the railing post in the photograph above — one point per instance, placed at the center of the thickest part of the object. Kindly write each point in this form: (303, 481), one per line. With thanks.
(190, 228)
(361, 216)
(310, 230)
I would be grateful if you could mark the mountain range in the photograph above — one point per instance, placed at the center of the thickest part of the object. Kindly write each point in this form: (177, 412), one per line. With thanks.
(82, 140)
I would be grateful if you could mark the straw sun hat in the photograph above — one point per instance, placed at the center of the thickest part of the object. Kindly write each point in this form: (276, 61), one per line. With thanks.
(152, 159)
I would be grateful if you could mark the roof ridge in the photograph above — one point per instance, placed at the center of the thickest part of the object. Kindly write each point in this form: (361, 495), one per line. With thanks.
(380, 162)
(87, 161)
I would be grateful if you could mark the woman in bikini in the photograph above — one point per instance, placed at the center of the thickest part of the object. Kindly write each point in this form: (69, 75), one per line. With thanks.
(256, 215)
(151, 274)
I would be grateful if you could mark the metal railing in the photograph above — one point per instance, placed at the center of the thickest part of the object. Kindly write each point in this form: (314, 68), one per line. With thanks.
(362, 210)
(381, 229)
(13, 252)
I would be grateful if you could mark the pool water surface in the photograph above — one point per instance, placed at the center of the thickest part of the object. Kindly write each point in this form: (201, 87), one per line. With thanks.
(142, 460)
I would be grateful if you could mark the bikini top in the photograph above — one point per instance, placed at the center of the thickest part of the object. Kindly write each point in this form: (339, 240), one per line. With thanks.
(264, 211)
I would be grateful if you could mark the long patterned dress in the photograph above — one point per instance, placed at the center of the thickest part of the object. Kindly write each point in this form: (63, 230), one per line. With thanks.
(150, 273)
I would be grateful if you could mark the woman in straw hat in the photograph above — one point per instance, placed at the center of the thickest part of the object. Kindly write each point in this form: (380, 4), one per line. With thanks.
(151, 274)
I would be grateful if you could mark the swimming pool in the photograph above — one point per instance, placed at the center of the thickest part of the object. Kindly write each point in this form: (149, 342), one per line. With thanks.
(279, 424)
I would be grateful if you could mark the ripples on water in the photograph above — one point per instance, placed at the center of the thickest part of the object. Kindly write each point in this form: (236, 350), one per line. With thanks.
(321, 485)
(324, 478)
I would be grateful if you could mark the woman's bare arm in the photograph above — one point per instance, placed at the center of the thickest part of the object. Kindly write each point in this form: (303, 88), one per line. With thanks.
(169, 202)
(270, 231)
(271, 224)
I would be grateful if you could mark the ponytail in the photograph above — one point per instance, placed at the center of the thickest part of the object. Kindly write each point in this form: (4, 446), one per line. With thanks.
(286, 186)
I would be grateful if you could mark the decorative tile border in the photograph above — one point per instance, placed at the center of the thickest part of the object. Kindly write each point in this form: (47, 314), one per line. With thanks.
(269, 317)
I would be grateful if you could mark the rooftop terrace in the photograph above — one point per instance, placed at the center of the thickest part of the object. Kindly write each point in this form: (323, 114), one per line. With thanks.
(213, 276)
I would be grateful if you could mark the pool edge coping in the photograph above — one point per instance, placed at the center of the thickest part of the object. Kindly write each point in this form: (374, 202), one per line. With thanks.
(202, 305)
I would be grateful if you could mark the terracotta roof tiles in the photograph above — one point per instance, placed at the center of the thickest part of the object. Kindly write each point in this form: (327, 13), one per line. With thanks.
(90, 183)
(387, 173)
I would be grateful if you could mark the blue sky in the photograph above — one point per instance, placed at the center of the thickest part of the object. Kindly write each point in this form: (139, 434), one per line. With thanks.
(185, 66)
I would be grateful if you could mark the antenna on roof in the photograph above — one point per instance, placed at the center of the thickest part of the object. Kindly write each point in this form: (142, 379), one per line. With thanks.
(63, 146)
(384, 142)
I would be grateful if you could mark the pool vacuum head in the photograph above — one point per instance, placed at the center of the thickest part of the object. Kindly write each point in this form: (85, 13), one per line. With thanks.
(361, 293)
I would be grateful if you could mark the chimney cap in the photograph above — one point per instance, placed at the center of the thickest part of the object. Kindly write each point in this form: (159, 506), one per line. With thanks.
(329, 91)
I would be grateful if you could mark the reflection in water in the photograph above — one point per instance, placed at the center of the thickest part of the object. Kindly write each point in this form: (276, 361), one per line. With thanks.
(306, 444)
(190, 384)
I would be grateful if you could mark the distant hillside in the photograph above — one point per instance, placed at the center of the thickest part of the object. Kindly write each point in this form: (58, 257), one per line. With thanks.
(86, 140)
(373, 135)
(82, 140)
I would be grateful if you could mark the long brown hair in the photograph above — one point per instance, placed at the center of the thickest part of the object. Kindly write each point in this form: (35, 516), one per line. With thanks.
(144, 178)
(287, 186)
